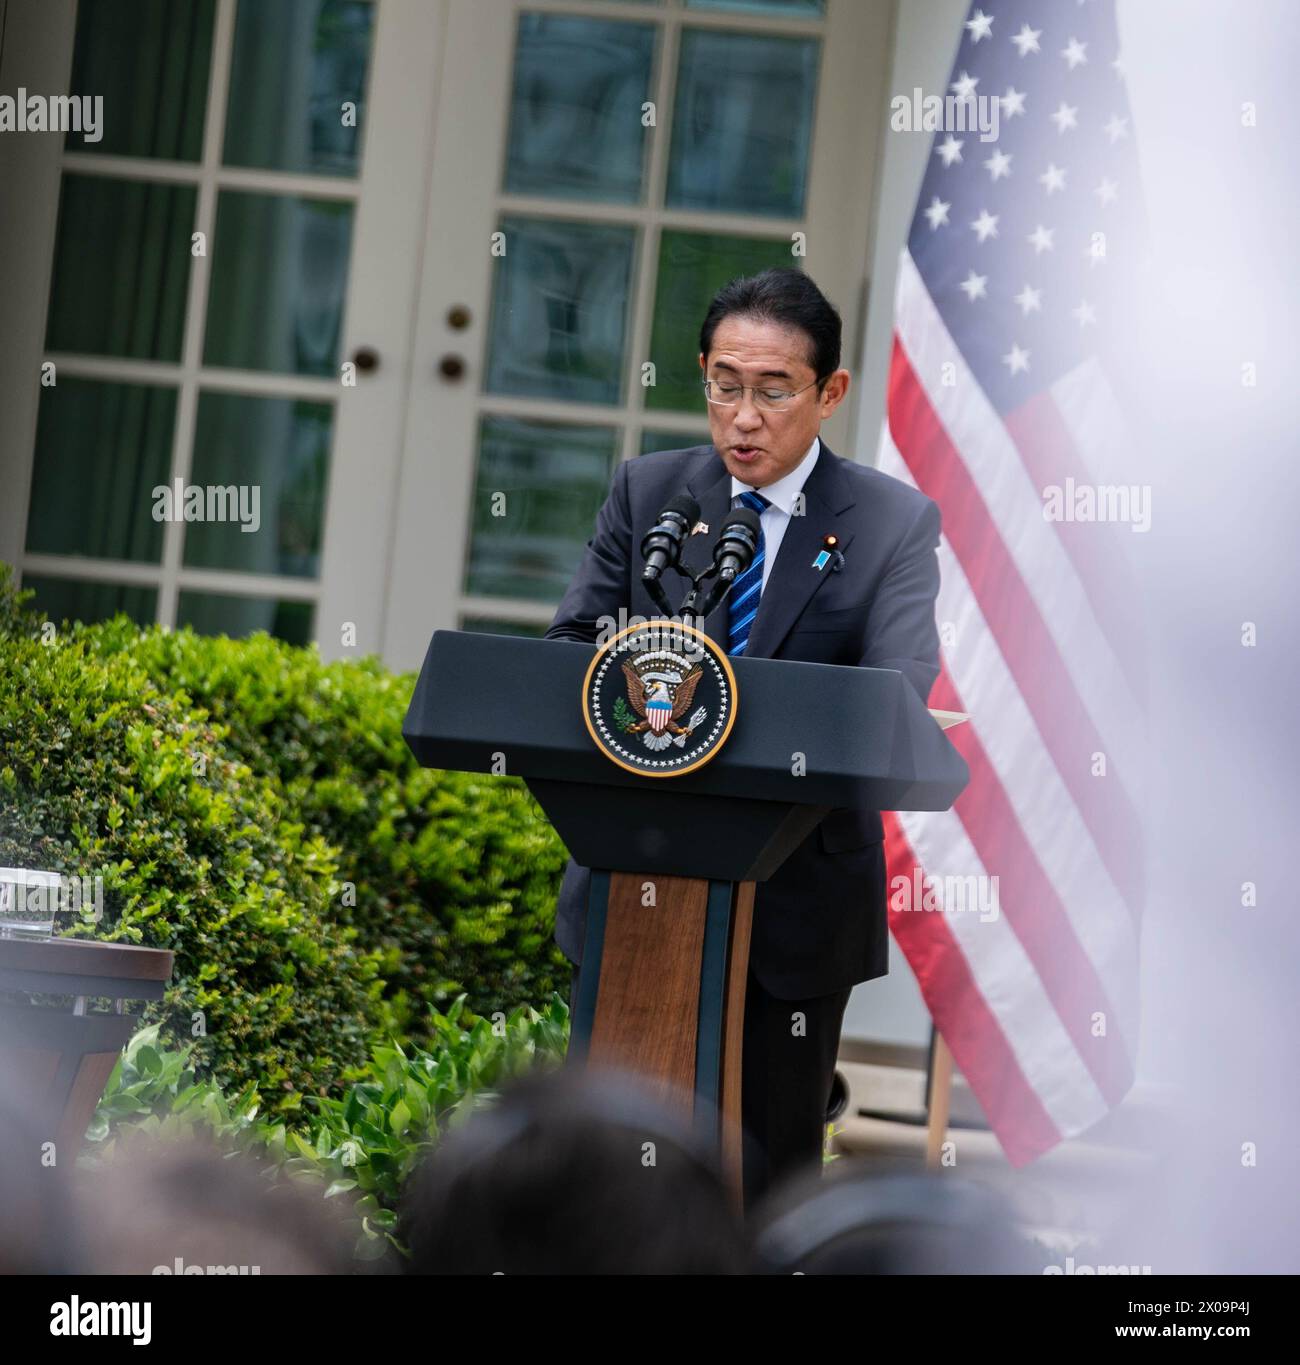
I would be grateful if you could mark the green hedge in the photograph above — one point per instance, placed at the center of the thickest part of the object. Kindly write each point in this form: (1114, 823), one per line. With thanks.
(237, 796)
(102, 774)
(454, 875)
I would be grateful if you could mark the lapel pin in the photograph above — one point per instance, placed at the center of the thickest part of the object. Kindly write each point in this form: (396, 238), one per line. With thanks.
(830, 553)
(700, 528)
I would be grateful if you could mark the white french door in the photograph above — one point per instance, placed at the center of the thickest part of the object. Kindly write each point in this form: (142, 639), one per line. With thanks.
(419, 271)
(218, 290)
(599, 169)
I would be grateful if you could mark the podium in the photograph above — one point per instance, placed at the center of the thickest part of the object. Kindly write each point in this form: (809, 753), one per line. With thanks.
(675, 859)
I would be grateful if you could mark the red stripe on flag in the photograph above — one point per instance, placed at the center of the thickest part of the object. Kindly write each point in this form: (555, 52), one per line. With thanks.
(967, 1024)
(1050, 456)
(1066, 728)
(1034, 910)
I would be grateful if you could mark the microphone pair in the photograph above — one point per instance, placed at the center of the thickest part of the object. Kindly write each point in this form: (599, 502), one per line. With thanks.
(733, 551)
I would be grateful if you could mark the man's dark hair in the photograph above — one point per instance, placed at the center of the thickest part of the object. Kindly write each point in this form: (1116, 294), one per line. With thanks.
(785, 296)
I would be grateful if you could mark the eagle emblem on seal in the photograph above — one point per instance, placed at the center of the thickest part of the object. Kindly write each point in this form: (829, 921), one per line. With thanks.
(660, 687)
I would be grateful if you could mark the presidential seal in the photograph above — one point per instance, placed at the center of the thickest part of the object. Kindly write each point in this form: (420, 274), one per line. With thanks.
(659, 698)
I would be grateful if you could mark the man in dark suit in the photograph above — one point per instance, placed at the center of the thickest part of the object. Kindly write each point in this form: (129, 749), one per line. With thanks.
(770, 356)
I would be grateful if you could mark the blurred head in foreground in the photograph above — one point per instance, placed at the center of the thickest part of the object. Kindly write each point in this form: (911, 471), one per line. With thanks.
(36, 1235)
(181, 1206)
(571, 1173)
(868, 1219)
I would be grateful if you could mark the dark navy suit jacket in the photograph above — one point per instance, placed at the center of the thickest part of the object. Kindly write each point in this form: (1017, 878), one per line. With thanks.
(819, 923)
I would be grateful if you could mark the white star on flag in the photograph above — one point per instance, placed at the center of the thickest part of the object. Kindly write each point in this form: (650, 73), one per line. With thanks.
(964, 86)
(1065, 117)
(937, 213)
(974, 284)
(1041, 239)
(1016, 359)
(1107, 191)
(980, 25)
(999, 165)
(1075, 53)
(1030, 300)
(1053, 178)
(949, 150)
(1117, 128)
(1084, 314)
(1013, 102)
(986, 225)
(1026, 40)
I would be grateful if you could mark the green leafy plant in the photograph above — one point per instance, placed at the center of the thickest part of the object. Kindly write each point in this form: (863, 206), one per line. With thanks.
(156, 1088)
(372, 1139)
(363, 1145)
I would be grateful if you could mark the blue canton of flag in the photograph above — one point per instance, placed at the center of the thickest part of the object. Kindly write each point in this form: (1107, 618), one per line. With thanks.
(1023, 241)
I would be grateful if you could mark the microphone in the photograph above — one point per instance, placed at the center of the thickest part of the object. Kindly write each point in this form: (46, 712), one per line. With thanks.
(661, 546)
(733, 553)
(737, 544)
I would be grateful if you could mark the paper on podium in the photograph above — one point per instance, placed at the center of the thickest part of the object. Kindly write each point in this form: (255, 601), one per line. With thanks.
(947, 719)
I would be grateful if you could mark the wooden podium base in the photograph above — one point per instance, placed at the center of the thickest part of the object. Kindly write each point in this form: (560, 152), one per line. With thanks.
(662, 995)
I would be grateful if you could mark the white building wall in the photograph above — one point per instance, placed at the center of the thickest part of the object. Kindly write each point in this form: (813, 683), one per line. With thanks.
(925, 38)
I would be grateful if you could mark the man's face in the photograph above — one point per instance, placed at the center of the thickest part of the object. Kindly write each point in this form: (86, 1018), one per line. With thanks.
(759, 446)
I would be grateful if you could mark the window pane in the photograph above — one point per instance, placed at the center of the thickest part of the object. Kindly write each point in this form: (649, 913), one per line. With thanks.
(673, 440)
(294, 66)
(150, 62)
(801, 9)
(538, 490)
(101, 449)
(575, 115)
(490, 625)
(279, 279)
(742, 122)
(214, 613)
(274, 454)
(121, 268)
(74, 599)
(693, 266)
(559, 310)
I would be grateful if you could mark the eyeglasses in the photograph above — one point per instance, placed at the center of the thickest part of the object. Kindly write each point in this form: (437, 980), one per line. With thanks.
(724, 395)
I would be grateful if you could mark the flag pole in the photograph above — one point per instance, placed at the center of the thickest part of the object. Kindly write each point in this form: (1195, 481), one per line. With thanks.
(938, 1098)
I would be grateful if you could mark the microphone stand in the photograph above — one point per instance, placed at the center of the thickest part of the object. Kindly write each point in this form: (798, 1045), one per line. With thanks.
(656, 590)
(698, 604)
(695, 605)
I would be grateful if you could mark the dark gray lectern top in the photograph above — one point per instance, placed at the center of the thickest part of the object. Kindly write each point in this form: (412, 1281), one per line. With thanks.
(865, 737)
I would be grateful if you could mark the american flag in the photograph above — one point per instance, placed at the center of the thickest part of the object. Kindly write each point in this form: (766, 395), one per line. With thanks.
(1011, 300)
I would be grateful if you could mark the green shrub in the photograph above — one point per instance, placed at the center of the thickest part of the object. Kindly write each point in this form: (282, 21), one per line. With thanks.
(103, 774)
(454, 875)
(422, 884)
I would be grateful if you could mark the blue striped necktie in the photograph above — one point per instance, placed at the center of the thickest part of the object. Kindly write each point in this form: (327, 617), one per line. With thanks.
(742, 601)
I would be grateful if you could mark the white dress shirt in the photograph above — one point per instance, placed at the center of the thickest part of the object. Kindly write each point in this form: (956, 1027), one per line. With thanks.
(781, 495)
